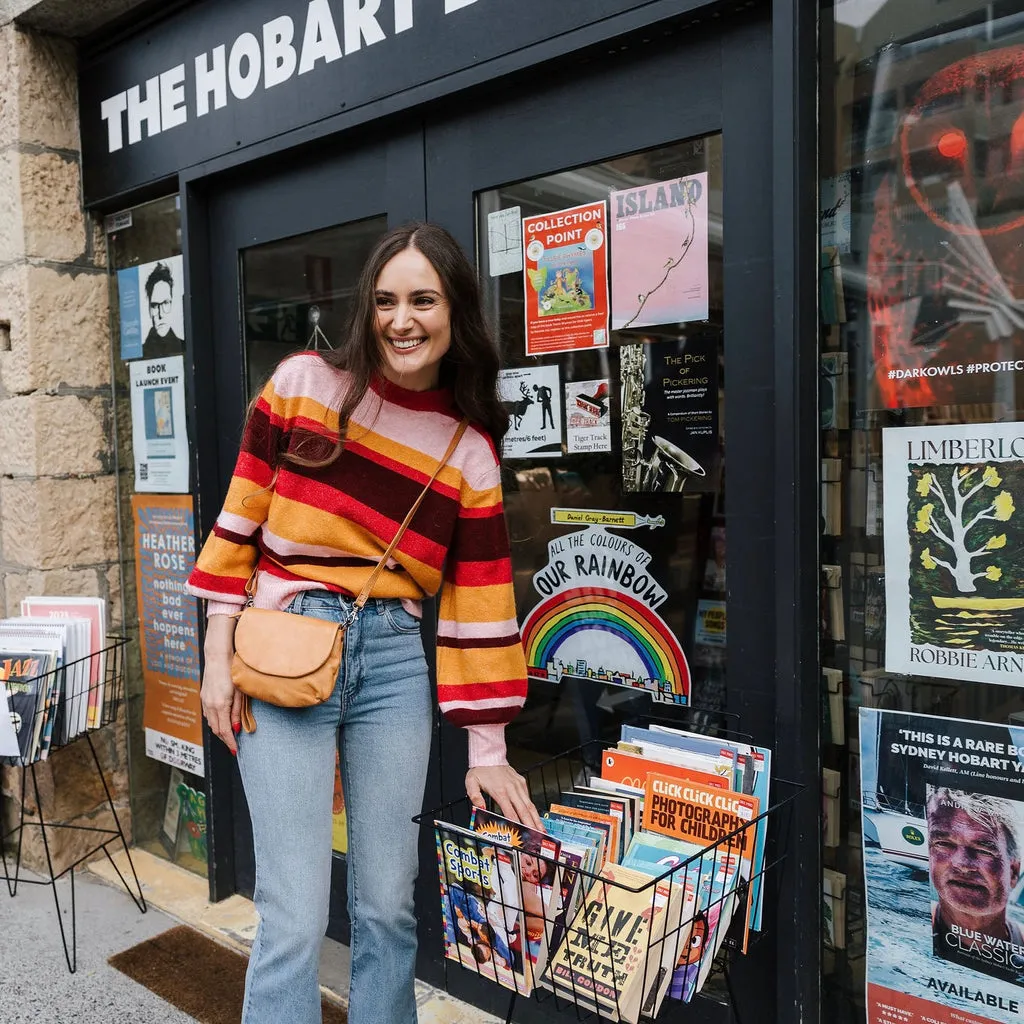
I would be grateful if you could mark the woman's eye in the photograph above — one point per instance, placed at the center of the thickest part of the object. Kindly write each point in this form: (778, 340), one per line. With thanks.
(383, 303)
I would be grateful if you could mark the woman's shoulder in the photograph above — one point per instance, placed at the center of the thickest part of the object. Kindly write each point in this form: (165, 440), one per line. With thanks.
(307, 375)
(478, 462)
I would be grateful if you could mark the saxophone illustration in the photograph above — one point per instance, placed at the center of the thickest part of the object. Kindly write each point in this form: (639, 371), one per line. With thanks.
(633, 363)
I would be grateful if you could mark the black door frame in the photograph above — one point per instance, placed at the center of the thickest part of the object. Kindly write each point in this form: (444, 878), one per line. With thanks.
(787, 611)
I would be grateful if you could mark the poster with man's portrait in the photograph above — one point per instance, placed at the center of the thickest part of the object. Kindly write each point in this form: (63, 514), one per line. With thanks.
(943, 816)
(152, 310)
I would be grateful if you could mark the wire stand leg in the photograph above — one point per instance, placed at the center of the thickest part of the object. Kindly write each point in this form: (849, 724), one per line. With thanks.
(12, 884)
(511, 1009)
(732, 995)
(140, 900)
(70, 957)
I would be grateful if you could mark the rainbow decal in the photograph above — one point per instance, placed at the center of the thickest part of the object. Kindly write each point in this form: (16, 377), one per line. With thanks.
(603, 634)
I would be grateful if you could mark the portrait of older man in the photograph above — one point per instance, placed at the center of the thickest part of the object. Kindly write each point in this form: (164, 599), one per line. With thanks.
(974, 862)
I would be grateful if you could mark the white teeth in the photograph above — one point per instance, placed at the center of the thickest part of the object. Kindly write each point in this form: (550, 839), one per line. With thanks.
(404, 344)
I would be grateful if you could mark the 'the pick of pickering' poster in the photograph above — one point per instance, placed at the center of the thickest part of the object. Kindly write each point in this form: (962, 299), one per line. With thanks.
(943, 818)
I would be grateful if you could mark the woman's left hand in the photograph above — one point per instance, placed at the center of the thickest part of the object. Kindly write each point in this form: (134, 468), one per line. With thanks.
(507, 788)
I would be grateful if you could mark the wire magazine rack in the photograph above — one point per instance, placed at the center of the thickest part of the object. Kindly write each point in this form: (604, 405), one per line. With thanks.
(85, 695)
(578, 969)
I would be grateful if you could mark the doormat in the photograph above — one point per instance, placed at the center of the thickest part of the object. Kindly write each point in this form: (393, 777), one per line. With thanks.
(197, 975)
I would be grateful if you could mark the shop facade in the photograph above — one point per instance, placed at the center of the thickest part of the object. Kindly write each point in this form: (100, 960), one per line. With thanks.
(244, 157)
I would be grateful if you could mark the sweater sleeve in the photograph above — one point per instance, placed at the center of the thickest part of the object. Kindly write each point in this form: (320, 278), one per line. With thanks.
(230, 553)
(481, 667)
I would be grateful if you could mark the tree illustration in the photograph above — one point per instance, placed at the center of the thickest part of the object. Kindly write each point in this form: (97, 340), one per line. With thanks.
(950, 521)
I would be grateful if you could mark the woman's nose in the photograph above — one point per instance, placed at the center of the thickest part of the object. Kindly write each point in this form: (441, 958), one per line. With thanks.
(402, 318)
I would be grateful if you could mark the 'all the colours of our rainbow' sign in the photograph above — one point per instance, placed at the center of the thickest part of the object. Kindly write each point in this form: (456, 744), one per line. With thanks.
(597, 617)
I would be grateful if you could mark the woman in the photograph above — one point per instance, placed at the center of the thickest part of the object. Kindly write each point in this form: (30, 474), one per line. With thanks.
(336, 449)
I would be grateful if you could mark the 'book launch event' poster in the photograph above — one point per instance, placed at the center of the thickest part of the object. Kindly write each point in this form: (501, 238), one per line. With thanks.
(943, 819)
(954, 551)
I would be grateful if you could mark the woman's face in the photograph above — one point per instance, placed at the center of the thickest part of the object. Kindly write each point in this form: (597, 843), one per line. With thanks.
(531, 868)
(413, 321)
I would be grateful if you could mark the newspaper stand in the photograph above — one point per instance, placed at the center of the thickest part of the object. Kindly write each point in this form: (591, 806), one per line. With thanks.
(108, 689)
(546, 781)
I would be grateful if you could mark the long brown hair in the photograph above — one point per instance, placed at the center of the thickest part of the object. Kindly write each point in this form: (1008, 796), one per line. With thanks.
(470, 366)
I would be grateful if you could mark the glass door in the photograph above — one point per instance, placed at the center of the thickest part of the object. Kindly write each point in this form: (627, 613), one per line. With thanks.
(285, 251)
(624, 249)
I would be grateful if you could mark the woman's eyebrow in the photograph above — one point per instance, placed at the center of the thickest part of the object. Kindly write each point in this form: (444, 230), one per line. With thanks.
(383, 293)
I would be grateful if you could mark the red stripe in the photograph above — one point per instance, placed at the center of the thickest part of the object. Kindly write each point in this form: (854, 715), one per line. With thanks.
(241, 539)
(481, 512)
(470, 692)
(386, 462)
(461, 717)
(253, 468)
(479, 642)
(218, 584)
(480, 574)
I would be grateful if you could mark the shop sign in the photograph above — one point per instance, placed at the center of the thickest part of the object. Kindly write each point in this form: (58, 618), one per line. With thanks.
(168, 630)
(598, 612)
(222, 75)
(943, 824)
(954, 551)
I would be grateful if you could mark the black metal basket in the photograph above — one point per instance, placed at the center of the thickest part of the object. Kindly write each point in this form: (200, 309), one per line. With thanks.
(632, 944)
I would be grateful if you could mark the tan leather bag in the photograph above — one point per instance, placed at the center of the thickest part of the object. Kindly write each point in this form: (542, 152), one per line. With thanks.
(293, 660)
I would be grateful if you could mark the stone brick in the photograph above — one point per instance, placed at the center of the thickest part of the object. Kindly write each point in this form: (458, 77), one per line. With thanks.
(59, 329)
(8, 93)
(51, 203)
(51, 435)
(12, 232)
(47, 77)
(51, 583)
(115, 610)
(49, 524)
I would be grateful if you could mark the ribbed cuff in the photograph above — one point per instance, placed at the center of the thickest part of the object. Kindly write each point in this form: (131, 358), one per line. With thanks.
(486, 745)
(222, 608)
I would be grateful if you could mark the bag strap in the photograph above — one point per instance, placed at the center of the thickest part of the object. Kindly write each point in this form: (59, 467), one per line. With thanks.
(364, 594)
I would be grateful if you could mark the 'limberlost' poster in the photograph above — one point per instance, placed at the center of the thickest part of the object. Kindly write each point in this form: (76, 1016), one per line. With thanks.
(954, 551)
(566, 280)
(943, 819)
(660, 253)
(169, 629)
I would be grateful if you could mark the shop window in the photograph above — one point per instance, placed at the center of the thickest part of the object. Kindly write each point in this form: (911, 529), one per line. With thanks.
(922, 486)
(147, 285)
(614, 463)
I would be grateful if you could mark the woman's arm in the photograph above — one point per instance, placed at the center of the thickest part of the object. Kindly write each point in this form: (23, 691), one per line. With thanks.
(222, 703)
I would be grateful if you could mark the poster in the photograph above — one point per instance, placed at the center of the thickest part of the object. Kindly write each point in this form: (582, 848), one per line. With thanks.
(660, 253)
(159, 435)
(597, 617)
(943, 817)
(152, 309)
(566, 280)
(505, 242)
(168, 630)
(588, 426)
(836, 212)
(945, 253)
(670, 415)
(954, 551)
(530, 396)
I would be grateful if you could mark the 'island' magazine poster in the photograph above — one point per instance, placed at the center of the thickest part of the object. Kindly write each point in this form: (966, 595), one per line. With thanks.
(954, 551)
(943, 818)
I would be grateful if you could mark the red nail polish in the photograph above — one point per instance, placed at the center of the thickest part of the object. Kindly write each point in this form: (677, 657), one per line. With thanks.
(234, 753)
(236, 727)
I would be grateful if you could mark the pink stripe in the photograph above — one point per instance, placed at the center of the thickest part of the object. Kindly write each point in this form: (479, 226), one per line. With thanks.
(477, 705)
(279, 545)
(476, 630)
(236, 523)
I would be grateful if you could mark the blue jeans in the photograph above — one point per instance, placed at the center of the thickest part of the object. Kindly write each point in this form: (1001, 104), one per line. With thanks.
(384, 707)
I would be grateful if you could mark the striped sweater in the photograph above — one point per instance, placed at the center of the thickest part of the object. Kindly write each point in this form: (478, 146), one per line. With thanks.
(327, 528)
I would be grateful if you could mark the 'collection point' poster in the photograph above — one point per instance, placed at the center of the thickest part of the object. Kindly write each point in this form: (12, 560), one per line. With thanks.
(943, 818)
(954, 551)
(566, 280)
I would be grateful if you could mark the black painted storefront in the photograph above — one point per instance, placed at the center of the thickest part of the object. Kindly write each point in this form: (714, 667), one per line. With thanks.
(426, 112)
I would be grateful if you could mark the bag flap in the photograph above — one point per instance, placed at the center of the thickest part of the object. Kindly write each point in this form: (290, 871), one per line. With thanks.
(283, 644)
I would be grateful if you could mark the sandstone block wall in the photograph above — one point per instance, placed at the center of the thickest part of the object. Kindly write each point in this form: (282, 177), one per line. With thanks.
(58, 493)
